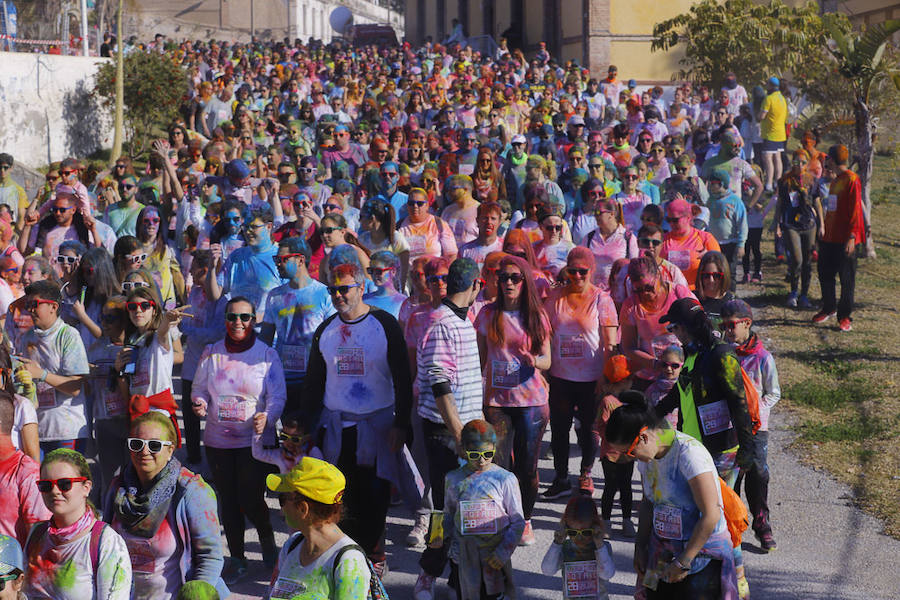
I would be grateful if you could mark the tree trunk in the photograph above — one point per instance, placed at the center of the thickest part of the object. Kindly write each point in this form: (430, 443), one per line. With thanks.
(865, 153)
(120, 88)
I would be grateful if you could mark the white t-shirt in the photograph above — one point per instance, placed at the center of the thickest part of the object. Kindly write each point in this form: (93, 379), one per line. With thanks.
(320, 579)
(25, 415)
(153, 370)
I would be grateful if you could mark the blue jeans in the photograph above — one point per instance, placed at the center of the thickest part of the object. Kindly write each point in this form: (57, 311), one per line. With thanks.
(78, 445)
(519, 432)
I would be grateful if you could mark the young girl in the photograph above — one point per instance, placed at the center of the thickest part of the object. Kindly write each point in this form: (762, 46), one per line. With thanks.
(293, 443)
(579, 551)
(482, 518)
(616, 476)
(383, 270)
(668, 368)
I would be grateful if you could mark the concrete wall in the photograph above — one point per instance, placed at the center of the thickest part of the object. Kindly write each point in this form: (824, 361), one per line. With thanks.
(49, 110)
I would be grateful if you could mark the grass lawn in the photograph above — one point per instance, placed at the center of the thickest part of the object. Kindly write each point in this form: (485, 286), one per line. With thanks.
(842, 388)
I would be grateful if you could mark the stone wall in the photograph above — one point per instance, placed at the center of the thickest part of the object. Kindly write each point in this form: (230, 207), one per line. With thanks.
(49, 108)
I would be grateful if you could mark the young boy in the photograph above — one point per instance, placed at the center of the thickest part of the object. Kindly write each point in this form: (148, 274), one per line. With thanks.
(482, 518)
(293, 443)
(737, 323)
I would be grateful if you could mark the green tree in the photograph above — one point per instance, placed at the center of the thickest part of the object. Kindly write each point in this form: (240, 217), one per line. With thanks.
(751, 39)
(860, 59)
(153, 89)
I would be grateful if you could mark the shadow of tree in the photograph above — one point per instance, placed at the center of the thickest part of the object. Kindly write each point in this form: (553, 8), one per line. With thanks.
(84, 120)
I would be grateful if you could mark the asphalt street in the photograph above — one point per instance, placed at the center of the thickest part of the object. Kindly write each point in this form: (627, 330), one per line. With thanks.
(827, 548)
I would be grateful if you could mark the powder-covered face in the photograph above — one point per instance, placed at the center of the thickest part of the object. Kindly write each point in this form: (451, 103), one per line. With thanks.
(480, 461)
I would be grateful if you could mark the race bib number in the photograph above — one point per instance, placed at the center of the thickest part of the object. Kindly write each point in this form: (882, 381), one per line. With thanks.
(141, 377)
(142, 558)
(831, 203)
(114, 403)
(234, 409)
(46, 395)
(667, 521)
(715, 417)
(285, 589)
(571, 346)
(795, 199)
(505, 374)
(293, 357)
(351, 361)
(680, 258)
(417, 244)
(581, 579)
(479, 517)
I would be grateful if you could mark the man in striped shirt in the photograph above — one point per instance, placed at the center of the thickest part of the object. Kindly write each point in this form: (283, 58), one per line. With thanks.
(450, 393)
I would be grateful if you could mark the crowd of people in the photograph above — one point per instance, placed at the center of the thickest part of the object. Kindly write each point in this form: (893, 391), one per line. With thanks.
(381, 274)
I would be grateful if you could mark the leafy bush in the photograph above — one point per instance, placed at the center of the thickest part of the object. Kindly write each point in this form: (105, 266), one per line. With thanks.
(154, 88)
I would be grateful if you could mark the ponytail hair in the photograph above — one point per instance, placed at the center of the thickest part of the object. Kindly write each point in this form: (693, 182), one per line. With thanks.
(627, 421)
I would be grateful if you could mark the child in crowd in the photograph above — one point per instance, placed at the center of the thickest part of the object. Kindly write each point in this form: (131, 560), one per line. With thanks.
(293, 443)
(737, 324)
(617, 379)
(482, 518)
(668, 368)
(578, 550)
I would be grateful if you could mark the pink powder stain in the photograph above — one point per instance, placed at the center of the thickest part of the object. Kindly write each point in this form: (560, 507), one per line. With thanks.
(345, 332)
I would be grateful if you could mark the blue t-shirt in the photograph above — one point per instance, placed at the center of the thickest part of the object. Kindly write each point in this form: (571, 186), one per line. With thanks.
(251, 274)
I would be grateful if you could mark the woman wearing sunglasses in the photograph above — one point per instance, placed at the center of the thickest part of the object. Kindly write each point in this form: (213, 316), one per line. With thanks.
(239, 387)
(584, 323)
(643, 336)
(160, 259)
(552, 249)
(333, 232)
(427, 234)
(166, 514)
(92, 282)
(74, 555)
(378, 231)
(713, 284)
(514, 343)
(683, 541)
(631, 199)
(383, 272)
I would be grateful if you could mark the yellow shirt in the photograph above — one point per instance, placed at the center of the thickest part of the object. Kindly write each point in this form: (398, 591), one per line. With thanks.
(772, 127)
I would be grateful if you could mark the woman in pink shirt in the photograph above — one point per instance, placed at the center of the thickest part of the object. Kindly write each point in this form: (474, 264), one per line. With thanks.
(514, 343)
(425, 233)
(643, 336)
(584, 325)
(610, 241)
(631, 199)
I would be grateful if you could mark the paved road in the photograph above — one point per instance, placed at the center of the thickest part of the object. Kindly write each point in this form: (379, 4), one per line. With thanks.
(826, 547)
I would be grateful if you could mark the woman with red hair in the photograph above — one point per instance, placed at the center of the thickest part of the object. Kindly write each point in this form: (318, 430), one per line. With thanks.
(489, 186)
(514, 343)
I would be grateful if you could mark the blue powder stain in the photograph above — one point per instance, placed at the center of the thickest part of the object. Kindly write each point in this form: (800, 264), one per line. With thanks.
(360, 391)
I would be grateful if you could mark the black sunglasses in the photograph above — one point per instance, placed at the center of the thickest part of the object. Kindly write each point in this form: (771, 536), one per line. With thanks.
(233, 317)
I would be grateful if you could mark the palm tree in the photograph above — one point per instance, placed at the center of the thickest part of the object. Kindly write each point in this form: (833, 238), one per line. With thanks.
(859, 57)
(120, 88)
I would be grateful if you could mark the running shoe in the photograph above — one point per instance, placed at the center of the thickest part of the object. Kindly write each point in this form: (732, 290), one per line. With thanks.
(235, 570)
(822, 316)
(767, 541)
(558, 489)
(803, 302)
(792, 300)
(845, 325)
(424, 588)
(628, 528)
(416, 535)
(527, 535)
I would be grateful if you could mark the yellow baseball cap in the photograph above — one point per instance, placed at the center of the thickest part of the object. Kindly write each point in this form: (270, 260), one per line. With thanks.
(316, 479)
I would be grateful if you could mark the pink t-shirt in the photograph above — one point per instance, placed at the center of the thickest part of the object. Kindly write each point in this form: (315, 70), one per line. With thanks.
(428, 238)
(652, 336)
(607, 251)
(507, 380)
(21, 505)
(632, 207)
(155, 561)
(462, 222)
(478, 252)
(577, 342)
(685, 252)
(552, 258)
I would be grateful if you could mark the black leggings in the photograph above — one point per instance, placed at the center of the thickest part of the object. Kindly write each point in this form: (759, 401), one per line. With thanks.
(616, 478)
(702, 585)
(240, 483)
(367, 498)
(569, 399)
(754, 237)
(191, 423)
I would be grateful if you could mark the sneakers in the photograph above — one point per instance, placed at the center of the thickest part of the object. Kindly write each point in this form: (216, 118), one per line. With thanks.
(607, 527)
(380, 568)
(803, 302)
(416, 535)
(792, 300)
(757, 278)
(745, 278)
(767, 541)
(628, 528)
(586, 484)
(845, 325)
(424, 588)
(235, 570)
(558, 489)
(822, 316)
(527, 535)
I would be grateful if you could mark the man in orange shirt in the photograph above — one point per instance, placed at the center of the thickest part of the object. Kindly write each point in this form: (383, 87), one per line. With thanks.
(684, 245)
(844, 228)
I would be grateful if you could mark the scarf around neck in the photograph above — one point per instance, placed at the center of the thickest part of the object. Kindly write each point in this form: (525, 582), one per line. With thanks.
(748, 347)
(236, 346)
(64, 535)
(142, 512)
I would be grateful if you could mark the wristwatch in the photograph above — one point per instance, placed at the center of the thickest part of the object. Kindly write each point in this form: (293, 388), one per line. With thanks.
(678, 564)
(42, 378)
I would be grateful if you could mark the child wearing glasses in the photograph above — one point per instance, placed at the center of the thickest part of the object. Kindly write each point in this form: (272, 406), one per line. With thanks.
(668, 368)
(737, 324)
(293, 443)
(578, 550)
(483, 518)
